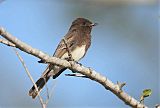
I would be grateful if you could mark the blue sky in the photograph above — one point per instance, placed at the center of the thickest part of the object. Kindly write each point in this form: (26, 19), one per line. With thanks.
(124, 48)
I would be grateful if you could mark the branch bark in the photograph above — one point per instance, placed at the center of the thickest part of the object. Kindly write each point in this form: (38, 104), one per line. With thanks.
(91, 74)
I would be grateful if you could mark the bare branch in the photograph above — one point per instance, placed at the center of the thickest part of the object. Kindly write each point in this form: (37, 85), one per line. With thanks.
(29, 75)
(51, 93)
(93, 75)
(68, 50)
(47, 91)
(157, 106)
(6, 42)
(77, 75)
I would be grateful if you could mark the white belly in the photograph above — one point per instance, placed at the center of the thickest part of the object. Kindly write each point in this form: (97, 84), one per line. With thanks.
(77, 54)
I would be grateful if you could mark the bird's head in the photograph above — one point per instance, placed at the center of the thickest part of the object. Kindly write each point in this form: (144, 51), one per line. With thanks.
(82, 24)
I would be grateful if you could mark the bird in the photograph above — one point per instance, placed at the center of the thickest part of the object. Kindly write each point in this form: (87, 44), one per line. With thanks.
(78, 41)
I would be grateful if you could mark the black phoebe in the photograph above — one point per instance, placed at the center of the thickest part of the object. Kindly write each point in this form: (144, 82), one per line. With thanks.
(78, 40)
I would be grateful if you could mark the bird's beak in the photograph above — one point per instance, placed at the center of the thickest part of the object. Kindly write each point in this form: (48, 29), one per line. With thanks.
(94, 24)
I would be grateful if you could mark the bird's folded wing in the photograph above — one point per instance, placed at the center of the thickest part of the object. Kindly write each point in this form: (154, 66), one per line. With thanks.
(71, 43)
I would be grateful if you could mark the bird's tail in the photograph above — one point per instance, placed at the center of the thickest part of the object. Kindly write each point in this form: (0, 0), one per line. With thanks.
(44, 78)
(40, 84)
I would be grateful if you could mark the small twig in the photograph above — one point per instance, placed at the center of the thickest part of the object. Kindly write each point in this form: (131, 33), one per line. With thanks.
(51, 92)
(142, 99)
(120, 85)
(77, 75)
(70, 58)
(6, 42)
(68, 49)
(157, 106)
(47, 90)
(30, 77)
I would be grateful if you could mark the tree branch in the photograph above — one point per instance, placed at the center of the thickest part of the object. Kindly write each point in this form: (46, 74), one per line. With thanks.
(30, 77)
(92, 74)
(77, 75)
(6, 42)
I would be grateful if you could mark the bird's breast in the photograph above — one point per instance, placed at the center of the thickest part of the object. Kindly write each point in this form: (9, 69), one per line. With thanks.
(77, 53)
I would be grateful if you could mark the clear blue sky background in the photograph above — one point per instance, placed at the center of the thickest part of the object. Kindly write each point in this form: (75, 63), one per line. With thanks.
(124, 48)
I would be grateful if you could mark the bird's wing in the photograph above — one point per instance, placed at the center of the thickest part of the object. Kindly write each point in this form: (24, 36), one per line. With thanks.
(60, 51)
(70, 41)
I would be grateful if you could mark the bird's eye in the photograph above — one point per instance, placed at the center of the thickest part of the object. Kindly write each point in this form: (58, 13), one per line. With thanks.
(84, 24)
